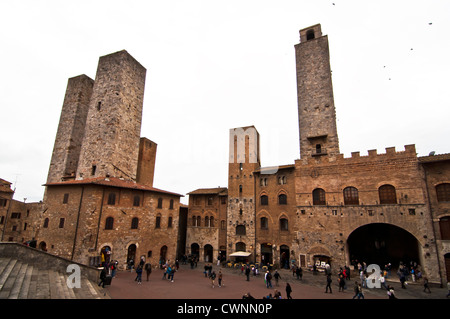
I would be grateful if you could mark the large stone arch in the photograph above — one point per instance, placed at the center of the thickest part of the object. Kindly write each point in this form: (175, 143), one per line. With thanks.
(382, 243)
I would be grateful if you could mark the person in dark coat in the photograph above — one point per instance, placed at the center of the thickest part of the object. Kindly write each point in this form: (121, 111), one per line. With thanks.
(288, 291)
(102, 277)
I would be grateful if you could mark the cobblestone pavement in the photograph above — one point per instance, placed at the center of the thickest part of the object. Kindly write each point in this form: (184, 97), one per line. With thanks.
(192, 284)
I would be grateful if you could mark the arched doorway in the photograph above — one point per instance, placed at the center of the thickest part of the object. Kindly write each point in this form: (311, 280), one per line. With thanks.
(284, 256)
(195, 250)
(131, 255)
(266, 254)
(208, 253)
(380, 244)
(447, 265)
(163, 254)
(43, 246)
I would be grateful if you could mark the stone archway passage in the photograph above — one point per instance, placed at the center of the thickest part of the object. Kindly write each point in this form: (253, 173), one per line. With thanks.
(381, 244)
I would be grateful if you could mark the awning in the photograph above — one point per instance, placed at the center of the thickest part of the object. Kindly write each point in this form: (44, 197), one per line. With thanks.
(240, 254)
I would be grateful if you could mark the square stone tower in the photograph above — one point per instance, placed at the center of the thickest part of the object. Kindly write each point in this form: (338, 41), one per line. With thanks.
(72, 123)
(244, 160)
(111, 141)
(316, 110)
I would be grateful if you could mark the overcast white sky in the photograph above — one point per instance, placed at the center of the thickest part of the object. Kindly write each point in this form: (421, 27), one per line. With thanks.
(216, 65)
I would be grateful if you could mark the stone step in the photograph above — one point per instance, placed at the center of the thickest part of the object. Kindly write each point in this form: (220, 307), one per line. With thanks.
(6, 271)
(25, 281)
(18, 282)
(11, 272)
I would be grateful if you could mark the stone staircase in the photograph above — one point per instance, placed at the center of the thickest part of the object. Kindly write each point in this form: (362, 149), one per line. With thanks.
(22, 280)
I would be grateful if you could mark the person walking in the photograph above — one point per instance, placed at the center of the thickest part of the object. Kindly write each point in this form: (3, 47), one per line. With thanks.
(299, 273)
(139, 275)
(425, 285)
(288, 291)
(358, 291)
(247, 273)
(277, 276)
(220, 278)
(148, 269)
(213, 278)
(171, 271)
(341, 283)
(102, 277)
(329, 280)
(268, 278)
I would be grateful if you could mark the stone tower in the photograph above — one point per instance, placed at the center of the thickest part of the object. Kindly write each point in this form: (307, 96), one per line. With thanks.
(243, 161)
(316, 111)
(112, 137)
(146, 162)
(72, 122)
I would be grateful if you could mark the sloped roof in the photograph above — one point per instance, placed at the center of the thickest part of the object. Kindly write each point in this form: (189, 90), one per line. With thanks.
(434, 158)
(210, 191)
(113, 182)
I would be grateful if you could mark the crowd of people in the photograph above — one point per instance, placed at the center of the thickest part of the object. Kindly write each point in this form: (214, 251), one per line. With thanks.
(405, 272)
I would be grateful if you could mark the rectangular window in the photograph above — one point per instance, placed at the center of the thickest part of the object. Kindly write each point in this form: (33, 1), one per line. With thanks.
(61, 223)
(66, 198)
(15, 216)
(111, 199)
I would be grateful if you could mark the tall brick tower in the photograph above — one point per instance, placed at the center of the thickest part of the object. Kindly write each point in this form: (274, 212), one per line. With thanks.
(243, 161)
(72, 123)
(111, 141)
(316, 111)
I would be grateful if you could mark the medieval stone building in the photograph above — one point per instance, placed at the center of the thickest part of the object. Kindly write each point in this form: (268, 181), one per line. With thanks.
(324, 208)
(99, 201)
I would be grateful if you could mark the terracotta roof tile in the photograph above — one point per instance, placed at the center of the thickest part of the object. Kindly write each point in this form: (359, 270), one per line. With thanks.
(113, 182)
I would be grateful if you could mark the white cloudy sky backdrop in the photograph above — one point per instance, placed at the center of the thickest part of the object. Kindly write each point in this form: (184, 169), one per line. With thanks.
(216, 65)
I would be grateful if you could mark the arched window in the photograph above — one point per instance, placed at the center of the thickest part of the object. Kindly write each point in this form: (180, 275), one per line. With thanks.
(282, 199)
(264, 200)
(171, 204)
(134, 223)
(158, 221)
(169, 222)
(199, 221)
(351, 196)
(263, 182)
(206, 221)
(109, 223)
(46, 223)
(240, 230)
(443, 192)
(264, 223)
(211, 221)
(310, 35)
(194, 221)
(387, 194)
(284, 224)
(319, 197)
(160, 200)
